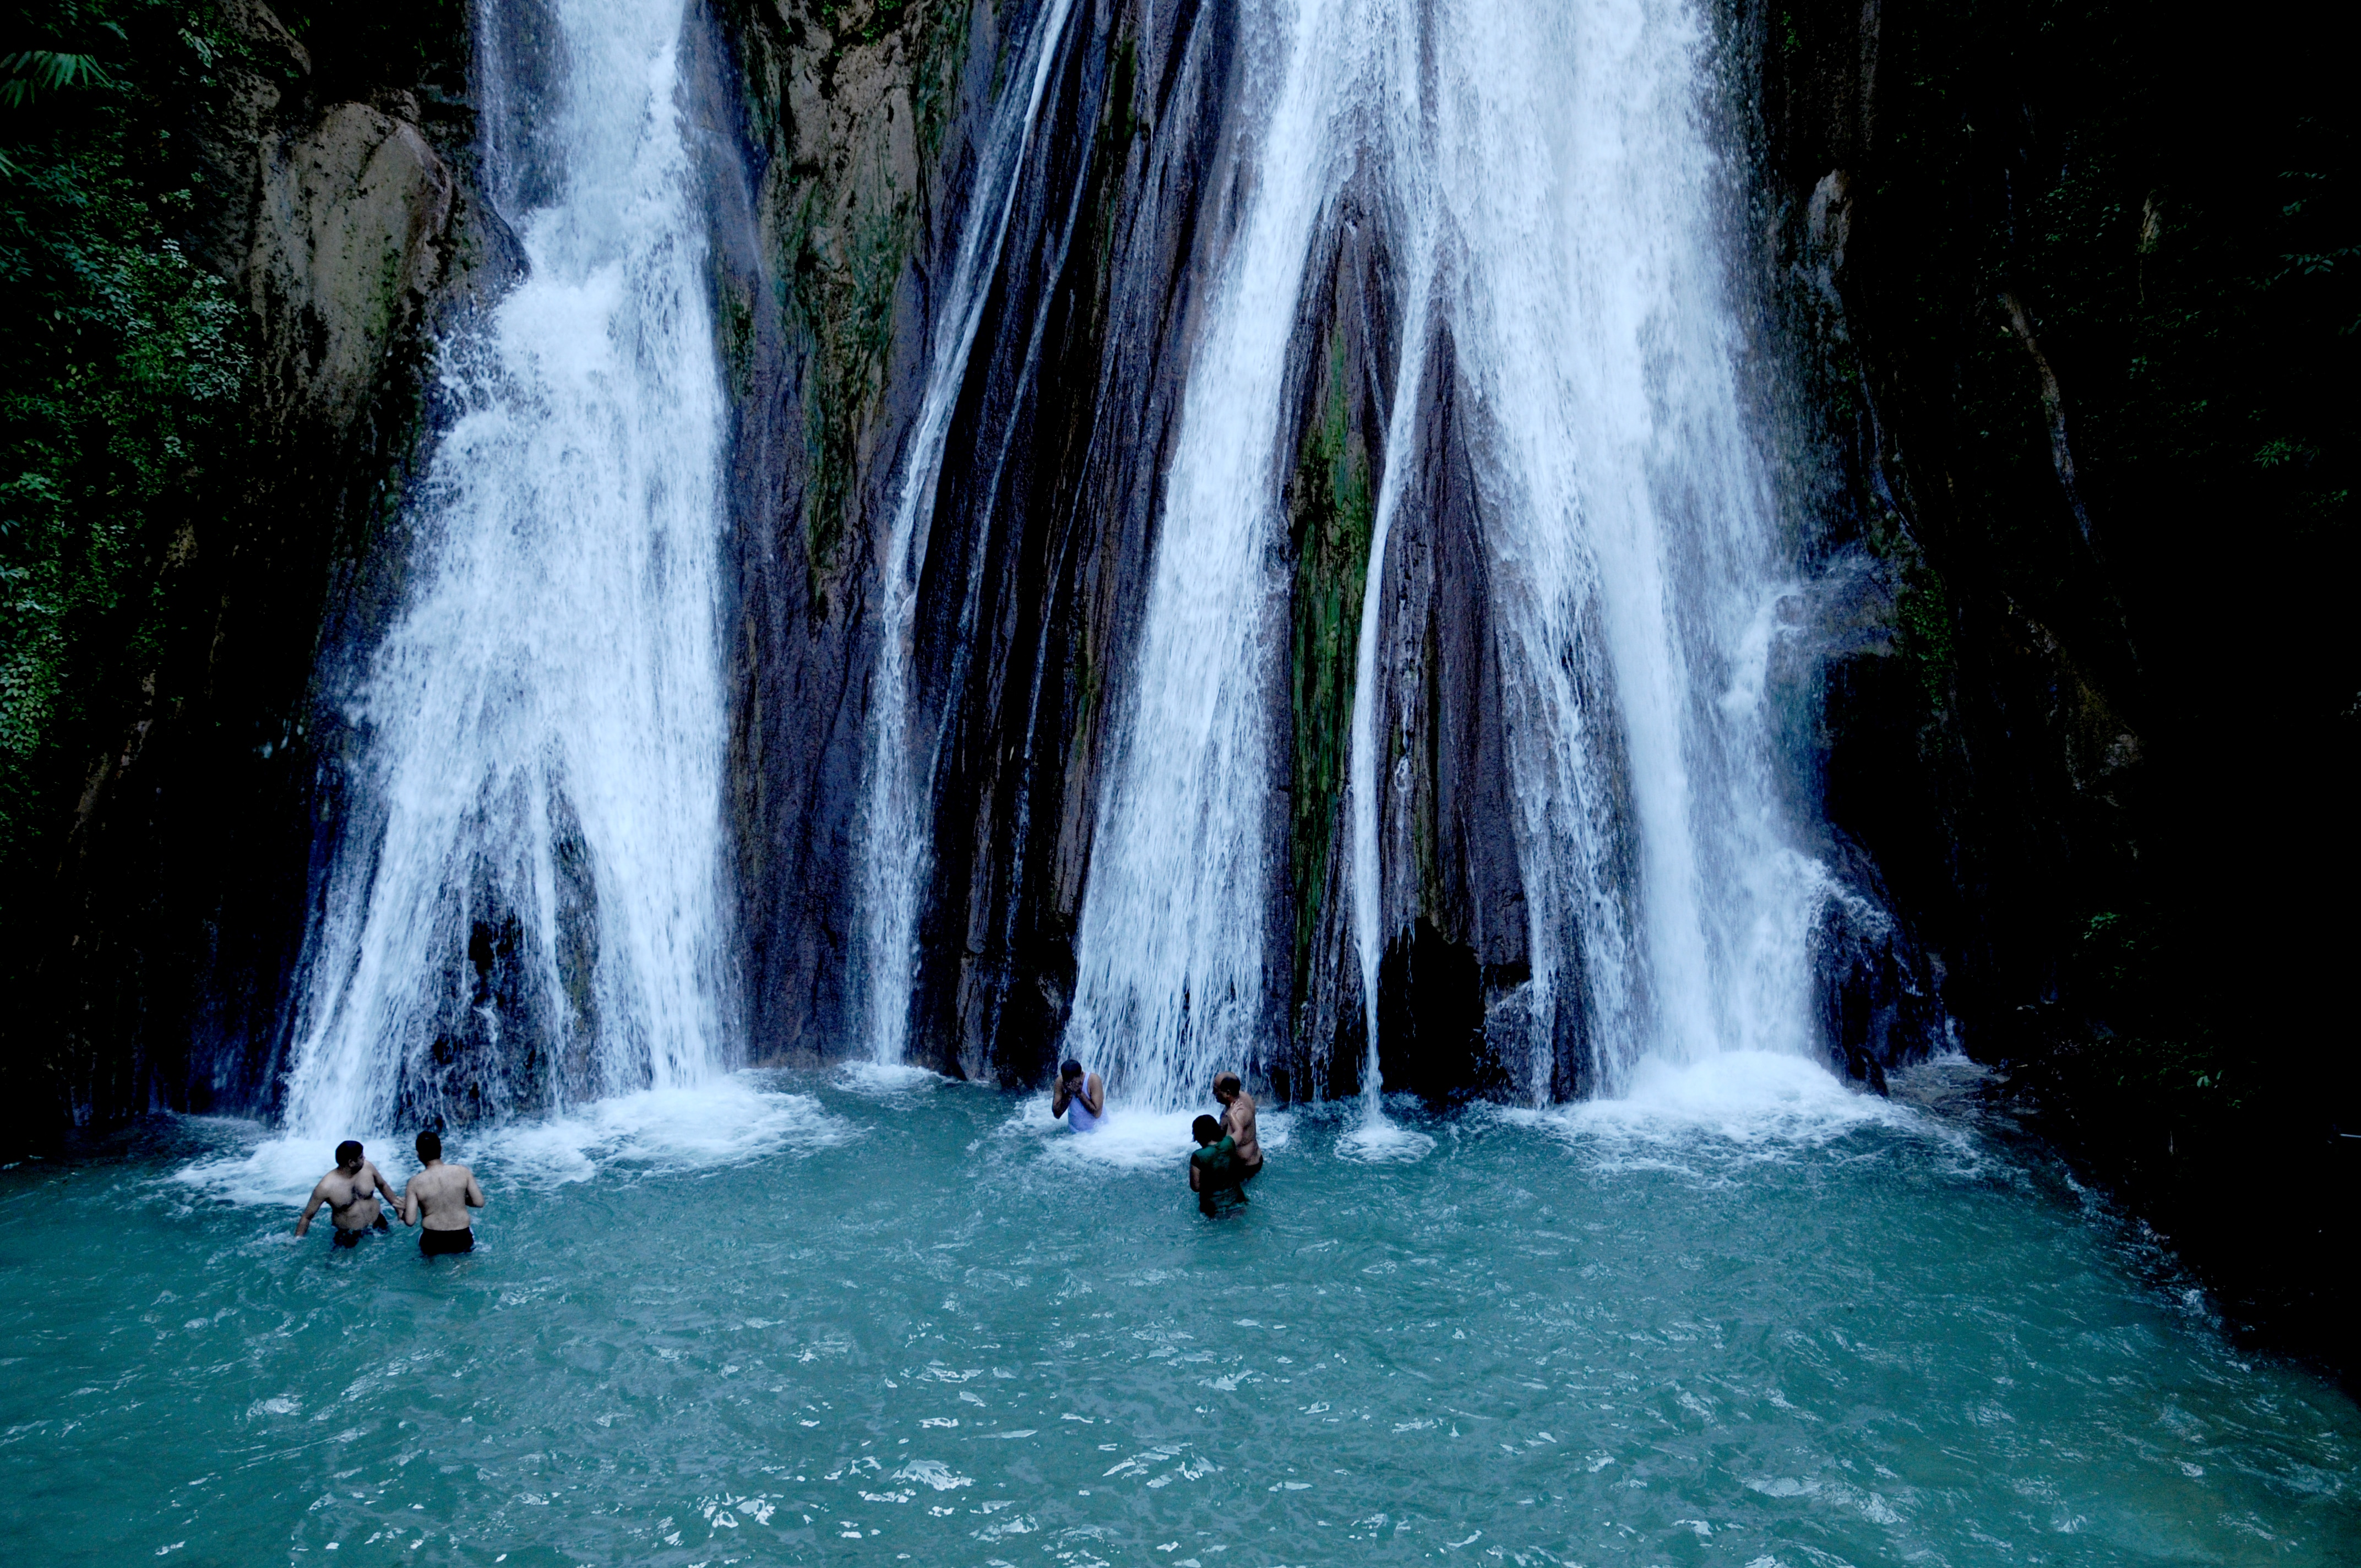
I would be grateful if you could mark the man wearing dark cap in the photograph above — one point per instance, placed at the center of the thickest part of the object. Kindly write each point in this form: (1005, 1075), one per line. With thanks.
(438, 1199)
(350, 1193)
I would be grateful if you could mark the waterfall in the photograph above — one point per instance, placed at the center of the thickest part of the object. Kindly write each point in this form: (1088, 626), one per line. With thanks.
(1170, 963)
(1554, 184)
(1407, 157)
(524, 905)
(895, 843)
(1635, 567)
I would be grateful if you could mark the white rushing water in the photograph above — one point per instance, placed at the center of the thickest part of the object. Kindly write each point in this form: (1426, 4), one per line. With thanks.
(541, 731)
(1555, 191)
(1391, 81)
(1635, 567)
(1170, 958)
(896, 835)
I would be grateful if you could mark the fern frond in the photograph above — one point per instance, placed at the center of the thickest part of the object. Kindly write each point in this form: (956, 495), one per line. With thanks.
(36, 71)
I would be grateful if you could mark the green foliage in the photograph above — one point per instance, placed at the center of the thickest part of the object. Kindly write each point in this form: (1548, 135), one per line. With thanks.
(848, 234)
(2162, 1060)
(121, 363)
(942, 52)
(29, 73)
(2193, 279)
(355, 47)
(1923, 612)
(844, 293)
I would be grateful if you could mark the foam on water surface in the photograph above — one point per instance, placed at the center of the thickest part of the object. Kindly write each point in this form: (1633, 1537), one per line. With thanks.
(264, 1171)
(732, 1120)
(1712, 1117)
(888, 1078)
(1130, 1139)
(947, 1317)
(1377, 1140)
(1740, 1095)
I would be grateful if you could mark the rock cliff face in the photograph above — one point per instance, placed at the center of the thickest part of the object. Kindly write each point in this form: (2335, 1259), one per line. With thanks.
(351, 219)
(342, 214)
(864, 128)
(1037, 558)
(2054, 329)
(861, 122)
(841, 149)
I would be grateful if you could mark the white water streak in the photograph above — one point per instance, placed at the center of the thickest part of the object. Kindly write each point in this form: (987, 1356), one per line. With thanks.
(1396, 78)
(547, 715)
(897, 840)
(1631, 527)
(1170, 958)
(1555, 188)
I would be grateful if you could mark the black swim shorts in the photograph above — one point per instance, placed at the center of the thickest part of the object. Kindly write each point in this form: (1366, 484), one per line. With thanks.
(436, 1243)
(352, 1238)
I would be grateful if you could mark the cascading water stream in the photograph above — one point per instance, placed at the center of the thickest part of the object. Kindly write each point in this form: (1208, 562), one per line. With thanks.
(1553, 176)
(533, 858)
(1409, 158)
(1633, 559)
(1376, 1139)
(1171, 965)
(895, 842)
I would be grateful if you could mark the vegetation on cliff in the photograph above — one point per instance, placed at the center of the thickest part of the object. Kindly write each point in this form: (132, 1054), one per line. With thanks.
(850, 99)
(1331, 511)
(221, 228)
(122, 363)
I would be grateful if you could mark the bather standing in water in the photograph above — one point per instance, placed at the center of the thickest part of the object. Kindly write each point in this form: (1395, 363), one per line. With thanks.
(350, 1193)
(1213, 1168)
(438, 1199)
(1238, 1121)
(1080, 1093)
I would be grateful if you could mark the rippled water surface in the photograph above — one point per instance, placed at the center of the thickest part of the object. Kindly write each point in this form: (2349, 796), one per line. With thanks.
(1744, 1319)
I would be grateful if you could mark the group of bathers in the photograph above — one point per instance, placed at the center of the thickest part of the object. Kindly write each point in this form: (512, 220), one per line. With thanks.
(436, 1195)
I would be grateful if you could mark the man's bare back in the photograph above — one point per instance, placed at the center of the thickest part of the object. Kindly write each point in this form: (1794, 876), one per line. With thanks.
(1238, 1121)
(437, 1200)
(439, 1197)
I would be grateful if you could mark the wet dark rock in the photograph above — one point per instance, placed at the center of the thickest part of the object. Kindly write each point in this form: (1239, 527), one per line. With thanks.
(2040, 318)
(163, 948)
(1446, 852)
(1040, 544)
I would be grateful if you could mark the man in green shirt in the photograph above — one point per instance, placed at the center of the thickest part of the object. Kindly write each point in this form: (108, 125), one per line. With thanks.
(1214, 1169)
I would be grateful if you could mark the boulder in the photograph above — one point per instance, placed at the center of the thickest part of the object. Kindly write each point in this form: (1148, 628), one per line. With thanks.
(349, 241)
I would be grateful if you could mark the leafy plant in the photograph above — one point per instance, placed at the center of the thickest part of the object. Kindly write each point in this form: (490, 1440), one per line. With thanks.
(32, 72)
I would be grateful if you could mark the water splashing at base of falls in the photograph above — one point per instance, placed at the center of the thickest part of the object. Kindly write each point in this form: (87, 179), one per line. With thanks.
(1553, 175)
(524, 908)
(896, 840)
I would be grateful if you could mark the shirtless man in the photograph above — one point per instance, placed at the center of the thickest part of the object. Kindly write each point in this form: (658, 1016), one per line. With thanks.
(1082, 1094)
(350, 1193)
(1238, 1121)
(442, 1194)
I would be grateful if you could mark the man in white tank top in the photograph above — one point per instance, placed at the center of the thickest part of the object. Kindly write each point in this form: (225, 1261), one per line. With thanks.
(1082, 1094)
